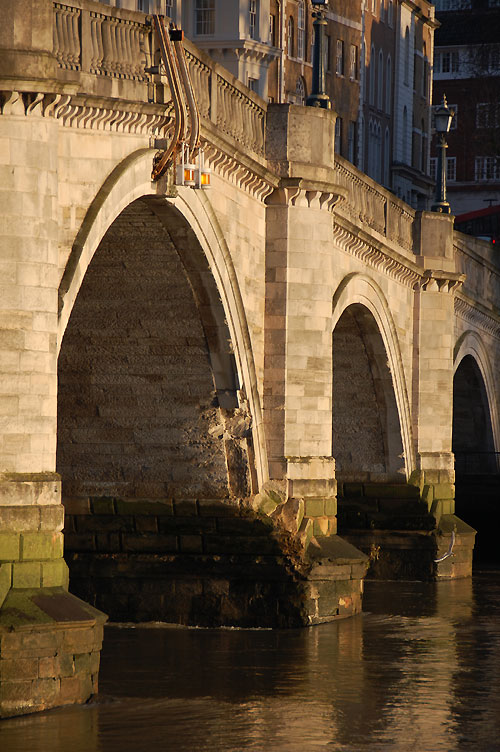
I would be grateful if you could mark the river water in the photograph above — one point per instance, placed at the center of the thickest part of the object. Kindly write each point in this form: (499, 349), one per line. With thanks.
(418, 670)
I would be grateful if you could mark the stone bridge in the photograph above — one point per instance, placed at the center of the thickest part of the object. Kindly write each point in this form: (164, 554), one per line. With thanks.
(241, 397)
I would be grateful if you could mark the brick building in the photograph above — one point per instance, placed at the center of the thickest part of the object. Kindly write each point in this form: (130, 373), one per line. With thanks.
(467, 70)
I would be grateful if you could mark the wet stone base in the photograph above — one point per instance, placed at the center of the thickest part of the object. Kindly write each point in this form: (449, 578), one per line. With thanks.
(207, 563)
(50, 645)
(410, 555)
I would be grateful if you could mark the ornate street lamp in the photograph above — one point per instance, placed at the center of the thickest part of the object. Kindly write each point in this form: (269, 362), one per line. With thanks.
(318, 96)
(443, 117)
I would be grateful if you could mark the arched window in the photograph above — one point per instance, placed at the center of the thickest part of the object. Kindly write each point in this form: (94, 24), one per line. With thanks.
(380, 93)
(301, 30)
(290, 45)
(388, 85)
(423, 154)
(372, 75)
(387, 158)
(404, 135)
(425, 73)
(406, 53)
(300, 91)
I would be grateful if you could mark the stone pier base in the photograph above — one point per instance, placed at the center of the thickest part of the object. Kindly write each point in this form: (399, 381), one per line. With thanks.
(411, 554)
(50, 644)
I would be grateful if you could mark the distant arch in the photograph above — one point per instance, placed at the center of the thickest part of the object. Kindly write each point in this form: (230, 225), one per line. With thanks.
(470, 345)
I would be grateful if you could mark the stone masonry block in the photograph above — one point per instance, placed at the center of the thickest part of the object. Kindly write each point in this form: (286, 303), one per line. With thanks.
(26, 574)
(52, 518)
(330, 507)
(18, 669)
(444, 491)
(19, 519)
(144, 506)
(103, 505)
(37, 546)
(76, 505)
(55, 573)
(314, 507)
(391, 491)
(9, 546)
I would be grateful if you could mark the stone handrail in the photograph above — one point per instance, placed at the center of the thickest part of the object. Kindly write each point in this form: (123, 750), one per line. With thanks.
(479, 261)
(111, 43)
(368, 203)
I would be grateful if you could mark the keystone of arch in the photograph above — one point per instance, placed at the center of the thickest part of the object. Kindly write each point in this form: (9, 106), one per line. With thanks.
(362, 289)
(129, 181)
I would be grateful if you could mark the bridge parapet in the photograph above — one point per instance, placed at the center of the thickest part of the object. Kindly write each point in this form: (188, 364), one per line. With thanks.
(105, 51)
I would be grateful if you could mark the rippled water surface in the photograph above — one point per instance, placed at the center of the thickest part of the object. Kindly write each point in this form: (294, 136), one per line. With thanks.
(418, 670)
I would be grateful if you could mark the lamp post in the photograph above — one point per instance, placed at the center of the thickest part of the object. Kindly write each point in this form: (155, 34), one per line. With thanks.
(318, 96)
(443, 116)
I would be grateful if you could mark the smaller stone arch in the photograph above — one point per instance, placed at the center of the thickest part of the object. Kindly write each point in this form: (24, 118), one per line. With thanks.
(359, 289)
(470, 345)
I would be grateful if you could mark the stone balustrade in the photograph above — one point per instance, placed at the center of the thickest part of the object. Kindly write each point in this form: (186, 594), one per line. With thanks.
(377, 209)
(112, 43)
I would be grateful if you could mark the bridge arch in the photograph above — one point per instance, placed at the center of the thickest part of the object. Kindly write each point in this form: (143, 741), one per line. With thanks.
(130, 181)
(176, 542)
(475, 416)
(361, 314)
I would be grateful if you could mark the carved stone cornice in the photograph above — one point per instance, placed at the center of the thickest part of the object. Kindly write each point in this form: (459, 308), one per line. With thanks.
(377, 257)
(91, 113)
(308, 193)
(470, 313)
(434, 280)
(248, 177)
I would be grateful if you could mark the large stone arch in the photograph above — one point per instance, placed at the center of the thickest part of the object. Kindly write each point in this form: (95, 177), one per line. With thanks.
(360, 290)
(129, 181)
(155, 527)
(470, 344)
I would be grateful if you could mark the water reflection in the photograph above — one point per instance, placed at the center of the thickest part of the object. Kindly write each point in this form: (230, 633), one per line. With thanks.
(419, 670)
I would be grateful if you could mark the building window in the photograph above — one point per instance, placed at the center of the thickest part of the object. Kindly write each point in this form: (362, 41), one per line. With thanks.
(301, 30)
(351, 142)
(290, 45)
(380, 93)
(407, 57)
(487, 168)
(372, 75)
(353, 63)
(388, 85)
(339, 60)
(451, 168)
(387, 158)
(404, 149)
(390, 13)
(382, 11)
(272, 30)
(448, 62)
(487, 115)
(253, 84)
(423, 154)
(453, 5)
(300, 91)
(169, 8)
(338, 135)
(253, 19)
(204, 17)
